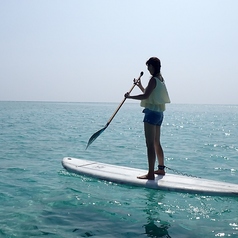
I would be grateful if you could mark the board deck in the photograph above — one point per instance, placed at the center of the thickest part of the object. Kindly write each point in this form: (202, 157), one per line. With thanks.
(169, 182)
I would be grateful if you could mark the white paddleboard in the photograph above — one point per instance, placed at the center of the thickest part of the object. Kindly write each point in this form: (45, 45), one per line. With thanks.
(169, 182)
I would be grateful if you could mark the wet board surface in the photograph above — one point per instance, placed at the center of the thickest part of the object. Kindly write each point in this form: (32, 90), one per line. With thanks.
(169, 182)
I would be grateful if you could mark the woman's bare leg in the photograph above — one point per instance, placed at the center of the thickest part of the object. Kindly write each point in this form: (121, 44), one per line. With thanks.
(159, 151)
(150, 132)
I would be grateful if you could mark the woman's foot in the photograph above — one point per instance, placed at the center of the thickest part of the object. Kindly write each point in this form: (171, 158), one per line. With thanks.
(147, 176)
(160, 170)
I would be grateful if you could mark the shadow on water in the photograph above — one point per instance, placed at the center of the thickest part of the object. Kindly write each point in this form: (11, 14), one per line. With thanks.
(155, 227)
(153, 230)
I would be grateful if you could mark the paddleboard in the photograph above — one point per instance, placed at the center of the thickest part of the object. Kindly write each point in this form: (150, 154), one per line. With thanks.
(169, 182)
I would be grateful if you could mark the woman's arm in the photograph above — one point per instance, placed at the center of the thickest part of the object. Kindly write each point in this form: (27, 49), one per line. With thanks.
(138, 83)
(147, 91)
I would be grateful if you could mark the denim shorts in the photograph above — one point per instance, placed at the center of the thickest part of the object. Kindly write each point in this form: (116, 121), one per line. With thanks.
(153, 117)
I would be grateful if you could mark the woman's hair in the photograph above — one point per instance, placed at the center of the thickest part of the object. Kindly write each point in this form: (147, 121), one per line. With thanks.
(155, 62)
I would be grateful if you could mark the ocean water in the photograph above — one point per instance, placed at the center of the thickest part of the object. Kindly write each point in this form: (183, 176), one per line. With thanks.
(38, 198)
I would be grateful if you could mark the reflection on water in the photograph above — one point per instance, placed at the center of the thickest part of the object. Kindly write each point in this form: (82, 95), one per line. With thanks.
(153, 230)
(155, 227)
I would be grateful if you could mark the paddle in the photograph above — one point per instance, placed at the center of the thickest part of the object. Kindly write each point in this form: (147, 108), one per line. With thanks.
(98, 133)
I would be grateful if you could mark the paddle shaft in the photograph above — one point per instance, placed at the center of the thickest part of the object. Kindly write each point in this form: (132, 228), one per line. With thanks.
(95, 135)
(114, 114)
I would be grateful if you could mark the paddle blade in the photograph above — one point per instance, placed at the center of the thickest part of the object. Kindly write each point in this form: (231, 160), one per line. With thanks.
(95, 136)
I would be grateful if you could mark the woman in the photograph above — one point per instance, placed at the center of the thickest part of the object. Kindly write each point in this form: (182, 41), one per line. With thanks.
(153, 99)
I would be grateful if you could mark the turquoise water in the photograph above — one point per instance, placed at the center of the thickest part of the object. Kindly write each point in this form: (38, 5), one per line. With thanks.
(38, 198)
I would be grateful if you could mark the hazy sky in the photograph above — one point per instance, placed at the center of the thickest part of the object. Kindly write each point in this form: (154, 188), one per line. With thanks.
(90, 51)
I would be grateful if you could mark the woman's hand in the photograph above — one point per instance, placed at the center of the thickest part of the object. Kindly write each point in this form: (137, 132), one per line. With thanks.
(137, 82)
(127, 95)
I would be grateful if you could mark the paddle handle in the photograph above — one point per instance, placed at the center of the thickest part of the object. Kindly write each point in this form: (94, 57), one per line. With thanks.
(114, 114)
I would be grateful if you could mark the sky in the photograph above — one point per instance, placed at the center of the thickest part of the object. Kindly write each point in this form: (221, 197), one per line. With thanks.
(90, 51)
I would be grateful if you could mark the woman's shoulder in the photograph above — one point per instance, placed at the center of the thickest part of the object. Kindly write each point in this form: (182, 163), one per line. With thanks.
(159, 78)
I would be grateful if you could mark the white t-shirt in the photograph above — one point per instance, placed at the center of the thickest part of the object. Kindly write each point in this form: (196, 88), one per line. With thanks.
(157, 99)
